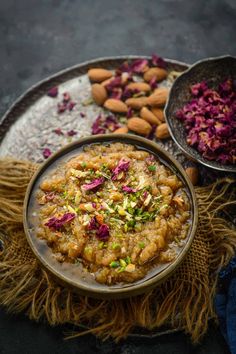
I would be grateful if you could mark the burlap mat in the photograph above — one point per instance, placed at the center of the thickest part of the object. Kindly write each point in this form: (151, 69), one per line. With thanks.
(185, 300)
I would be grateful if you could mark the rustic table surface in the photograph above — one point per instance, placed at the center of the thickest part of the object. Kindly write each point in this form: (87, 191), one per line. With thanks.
(39, 38)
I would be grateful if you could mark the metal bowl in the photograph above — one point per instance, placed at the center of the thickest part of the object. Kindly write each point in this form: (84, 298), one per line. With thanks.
(69, 274)
(214, 71)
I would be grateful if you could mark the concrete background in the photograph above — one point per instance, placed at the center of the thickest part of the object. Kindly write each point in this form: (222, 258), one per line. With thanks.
(38, 38)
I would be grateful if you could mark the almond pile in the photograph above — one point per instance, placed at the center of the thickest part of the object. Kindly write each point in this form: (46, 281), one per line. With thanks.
(133, 94)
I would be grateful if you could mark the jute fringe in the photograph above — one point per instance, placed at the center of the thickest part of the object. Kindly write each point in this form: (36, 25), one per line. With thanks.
(185, 300)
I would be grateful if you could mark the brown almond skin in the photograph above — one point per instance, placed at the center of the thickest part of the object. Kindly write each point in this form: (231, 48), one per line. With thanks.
(122, 130)
(158, 113)
(99, 94)
(158, 98)
(193, 174)
(139, 126)
(162, 131)
(159, 73)
(99, 74)
(116, 106)
(147, 115)
(106, 82)
(141, 86)
(136, 103)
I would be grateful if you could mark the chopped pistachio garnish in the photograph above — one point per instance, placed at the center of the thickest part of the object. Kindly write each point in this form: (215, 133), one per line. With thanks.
(122, 263)
(152, 168)
(114, 264)
(115, 246)
(141, 245)
(128, 260)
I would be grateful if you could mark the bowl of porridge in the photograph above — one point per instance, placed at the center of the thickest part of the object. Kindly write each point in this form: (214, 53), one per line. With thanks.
(111, 215)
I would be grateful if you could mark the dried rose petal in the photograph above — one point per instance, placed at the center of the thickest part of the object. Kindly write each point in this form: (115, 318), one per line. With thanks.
(61, 107)
(71, 105)
(58, 131)
(66, 97)
(103, 232)
(123, 165)
(49, 196)
(53, 92)
(130, 113)
(153, 83)
(114, 83)
(151, 135)
(46, 153)
(56, 223)
(150, 159)
(199, 88)
(105, 124)
(124, 67)
(93, 224)
(145, 194)
(71, 132)
(158, 61)
(138, 65)
(82, 114)
(97, 127)
(116, 93)
(128, 189)
(94, 184)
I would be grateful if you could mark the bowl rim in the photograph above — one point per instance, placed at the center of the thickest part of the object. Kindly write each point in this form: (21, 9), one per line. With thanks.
(200, 159)
(133, 288)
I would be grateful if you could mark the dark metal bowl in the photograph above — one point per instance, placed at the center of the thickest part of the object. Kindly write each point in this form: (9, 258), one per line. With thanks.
(214, 71)
(68, 274)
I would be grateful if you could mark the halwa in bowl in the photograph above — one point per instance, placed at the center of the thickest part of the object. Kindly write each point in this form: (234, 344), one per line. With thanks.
(110, 215)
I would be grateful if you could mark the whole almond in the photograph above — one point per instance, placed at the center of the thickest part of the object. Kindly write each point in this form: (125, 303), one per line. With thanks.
(136, 103)
(158, 113)
(139, 126)
(159, 73)
(162, 131)
(99, 94)
(193, 174)
(141, 86)
(114, 105)
(158, 98)
(121, 130)
(147, 115)
(99, 74)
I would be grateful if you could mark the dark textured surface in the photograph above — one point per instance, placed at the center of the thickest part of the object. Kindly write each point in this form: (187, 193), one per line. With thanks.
(39, 38)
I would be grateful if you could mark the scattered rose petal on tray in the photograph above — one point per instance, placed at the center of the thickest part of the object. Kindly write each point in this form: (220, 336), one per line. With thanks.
(71, 132)
(46, 153)
(53, 92)
(105, 124)
(58, 131)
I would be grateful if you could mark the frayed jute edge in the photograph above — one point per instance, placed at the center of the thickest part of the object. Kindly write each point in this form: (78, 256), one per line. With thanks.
(183, 301)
